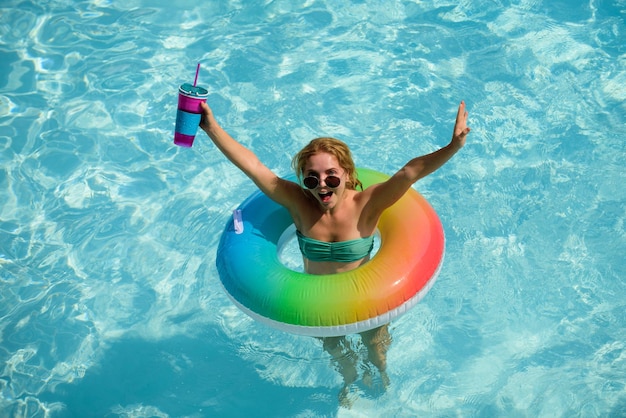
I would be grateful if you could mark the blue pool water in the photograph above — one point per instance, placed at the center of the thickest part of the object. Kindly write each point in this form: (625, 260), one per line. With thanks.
(110, 304)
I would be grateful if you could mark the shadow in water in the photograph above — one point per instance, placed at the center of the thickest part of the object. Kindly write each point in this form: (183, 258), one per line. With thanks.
(183, 377)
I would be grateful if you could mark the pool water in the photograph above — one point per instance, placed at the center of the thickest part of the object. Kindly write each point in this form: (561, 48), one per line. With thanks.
(110, 302)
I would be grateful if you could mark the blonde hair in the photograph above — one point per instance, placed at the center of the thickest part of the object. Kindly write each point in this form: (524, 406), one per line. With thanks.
(332, 146)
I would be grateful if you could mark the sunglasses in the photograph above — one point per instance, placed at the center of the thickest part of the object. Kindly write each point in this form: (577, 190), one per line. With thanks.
(312, 182)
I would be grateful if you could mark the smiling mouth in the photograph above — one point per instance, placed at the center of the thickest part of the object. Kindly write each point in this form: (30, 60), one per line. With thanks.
(325, 197)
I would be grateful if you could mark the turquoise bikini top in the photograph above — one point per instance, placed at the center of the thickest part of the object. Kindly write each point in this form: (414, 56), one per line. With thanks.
(342, 252)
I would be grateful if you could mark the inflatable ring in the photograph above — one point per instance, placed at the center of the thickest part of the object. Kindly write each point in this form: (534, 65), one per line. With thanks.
(393, 281)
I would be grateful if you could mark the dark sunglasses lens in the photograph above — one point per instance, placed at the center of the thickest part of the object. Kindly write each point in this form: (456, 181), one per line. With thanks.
(311, 182)
(332, 181)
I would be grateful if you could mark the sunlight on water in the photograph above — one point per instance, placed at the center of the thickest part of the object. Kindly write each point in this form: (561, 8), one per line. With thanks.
(110, 302)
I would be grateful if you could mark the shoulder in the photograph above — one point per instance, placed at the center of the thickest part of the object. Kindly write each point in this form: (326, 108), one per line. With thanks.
(296, 200)
(378, 197)
(287, 192)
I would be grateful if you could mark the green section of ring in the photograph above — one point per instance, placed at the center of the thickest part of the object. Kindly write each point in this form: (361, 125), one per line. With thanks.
(252, 274)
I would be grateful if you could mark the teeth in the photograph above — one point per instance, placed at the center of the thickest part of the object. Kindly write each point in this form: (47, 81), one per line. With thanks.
(325, 196)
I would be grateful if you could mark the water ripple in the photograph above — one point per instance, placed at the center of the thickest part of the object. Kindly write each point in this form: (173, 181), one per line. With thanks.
(108, 231)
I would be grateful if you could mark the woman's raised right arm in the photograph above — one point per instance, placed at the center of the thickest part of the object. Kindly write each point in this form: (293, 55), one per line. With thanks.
(279, 190)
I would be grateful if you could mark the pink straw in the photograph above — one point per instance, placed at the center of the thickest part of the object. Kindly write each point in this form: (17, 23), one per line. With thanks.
(197, 71)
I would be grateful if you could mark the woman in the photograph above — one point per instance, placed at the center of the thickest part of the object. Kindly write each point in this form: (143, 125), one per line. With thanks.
(335, 222)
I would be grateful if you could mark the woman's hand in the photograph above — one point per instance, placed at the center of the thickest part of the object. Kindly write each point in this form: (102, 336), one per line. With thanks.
(460, 127)
(207, 122)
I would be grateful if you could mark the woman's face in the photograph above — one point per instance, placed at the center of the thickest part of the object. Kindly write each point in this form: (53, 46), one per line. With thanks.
(321, 166)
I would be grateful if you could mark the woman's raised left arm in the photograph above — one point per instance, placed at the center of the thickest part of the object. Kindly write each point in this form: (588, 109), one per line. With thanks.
(385, 194)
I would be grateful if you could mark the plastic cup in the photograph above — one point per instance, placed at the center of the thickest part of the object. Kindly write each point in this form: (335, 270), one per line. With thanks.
(189, 113)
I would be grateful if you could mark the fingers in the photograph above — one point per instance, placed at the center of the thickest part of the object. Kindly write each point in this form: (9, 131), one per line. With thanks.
(460, 127)
(461, 114)
(205, 121)
(461, 120)
(207, 113)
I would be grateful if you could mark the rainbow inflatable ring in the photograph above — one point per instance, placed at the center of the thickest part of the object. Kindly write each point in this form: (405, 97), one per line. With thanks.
(392, 282)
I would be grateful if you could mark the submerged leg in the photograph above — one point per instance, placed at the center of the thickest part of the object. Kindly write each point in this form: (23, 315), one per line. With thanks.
(377, 342)
(345, 359)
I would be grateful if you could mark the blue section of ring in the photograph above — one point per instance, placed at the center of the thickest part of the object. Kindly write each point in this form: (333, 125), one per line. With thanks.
(187, 123)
